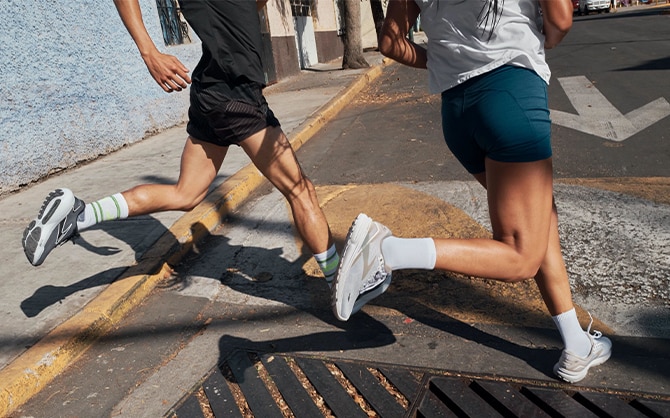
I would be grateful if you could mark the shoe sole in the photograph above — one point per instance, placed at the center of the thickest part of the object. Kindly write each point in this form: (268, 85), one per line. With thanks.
(346, 293)
(581, 375)
(34, 243)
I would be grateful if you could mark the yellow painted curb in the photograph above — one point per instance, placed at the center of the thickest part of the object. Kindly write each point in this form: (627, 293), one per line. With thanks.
(41, 363)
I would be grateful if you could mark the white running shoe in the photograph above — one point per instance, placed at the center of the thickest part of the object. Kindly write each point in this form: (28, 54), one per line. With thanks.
(55, 224)
(573, 368)
(362, 275)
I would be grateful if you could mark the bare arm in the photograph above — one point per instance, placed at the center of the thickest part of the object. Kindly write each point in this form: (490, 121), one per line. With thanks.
(393, 42)
(170, 74)
(557, 16)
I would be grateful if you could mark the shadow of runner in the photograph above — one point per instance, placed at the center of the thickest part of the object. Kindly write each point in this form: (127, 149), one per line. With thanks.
(541, 354)
(49, 295)
(446, 302)
(258, 280)
(264, 280)
(139, 236)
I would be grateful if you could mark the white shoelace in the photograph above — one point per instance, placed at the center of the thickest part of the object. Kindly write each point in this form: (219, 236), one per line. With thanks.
(596, 334)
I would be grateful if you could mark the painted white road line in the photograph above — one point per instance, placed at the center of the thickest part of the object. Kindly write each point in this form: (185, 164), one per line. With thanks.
(597, 116)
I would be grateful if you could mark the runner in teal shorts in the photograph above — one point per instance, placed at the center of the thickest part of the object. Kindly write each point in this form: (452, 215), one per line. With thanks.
(486, 58)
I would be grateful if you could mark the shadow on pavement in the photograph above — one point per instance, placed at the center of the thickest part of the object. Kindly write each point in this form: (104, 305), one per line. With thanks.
(139, 238)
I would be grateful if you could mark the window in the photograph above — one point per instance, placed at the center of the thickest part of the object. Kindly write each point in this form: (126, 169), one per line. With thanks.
(175, 29)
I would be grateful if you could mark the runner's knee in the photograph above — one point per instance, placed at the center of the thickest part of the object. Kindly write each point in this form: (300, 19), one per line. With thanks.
(525, 269)
(525, 260)
(187, 201)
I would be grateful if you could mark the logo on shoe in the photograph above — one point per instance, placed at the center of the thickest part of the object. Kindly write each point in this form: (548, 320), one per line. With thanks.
(76, 209)
(66, 225)
(63, 232)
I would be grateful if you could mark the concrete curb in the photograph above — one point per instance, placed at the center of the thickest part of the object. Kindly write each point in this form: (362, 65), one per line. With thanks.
(41, 363)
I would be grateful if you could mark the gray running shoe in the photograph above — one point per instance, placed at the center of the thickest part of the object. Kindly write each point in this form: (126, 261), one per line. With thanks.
(573, 368)
(362, 275)
(55, 224)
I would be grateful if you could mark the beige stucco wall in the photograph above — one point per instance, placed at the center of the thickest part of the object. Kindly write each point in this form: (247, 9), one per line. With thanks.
(281, 22)
(279, 18)
(326, 17)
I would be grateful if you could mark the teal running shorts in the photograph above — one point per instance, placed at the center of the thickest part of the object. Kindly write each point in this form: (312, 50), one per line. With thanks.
(502, 115)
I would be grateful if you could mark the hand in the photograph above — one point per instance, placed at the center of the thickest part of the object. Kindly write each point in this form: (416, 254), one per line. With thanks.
(170, 74)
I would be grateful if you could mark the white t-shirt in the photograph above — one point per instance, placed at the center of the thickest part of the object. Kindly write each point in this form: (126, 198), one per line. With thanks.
(459, 47)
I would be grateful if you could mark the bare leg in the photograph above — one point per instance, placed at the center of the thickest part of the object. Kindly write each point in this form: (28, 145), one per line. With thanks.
(552, 277)
(272, 154)
(200, 162)
(520, 206)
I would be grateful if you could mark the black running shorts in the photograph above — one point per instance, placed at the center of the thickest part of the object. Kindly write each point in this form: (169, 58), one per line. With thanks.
(224, 116)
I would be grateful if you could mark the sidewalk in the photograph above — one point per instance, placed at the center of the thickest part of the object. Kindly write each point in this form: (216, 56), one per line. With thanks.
(52, 313)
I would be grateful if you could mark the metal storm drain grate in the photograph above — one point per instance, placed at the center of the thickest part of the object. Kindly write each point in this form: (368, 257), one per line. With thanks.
(265, 386)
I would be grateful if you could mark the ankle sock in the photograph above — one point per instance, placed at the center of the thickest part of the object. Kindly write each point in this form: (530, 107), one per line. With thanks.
(573, 335)
(409, 253)
(328, 262)
(107, 209)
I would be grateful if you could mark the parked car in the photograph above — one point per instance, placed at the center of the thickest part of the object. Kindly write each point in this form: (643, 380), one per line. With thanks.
(587, 6)
(575, 6)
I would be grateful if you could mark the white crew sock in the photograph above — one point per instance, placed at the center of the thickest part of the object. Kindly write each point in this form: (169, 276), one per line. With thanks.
(573, 335)
(328, 261)
(409, 253)
(107, 209)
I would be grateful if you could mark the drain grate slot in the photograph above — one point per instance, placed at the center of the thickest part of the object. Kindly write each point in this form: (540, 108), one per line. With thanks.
(337, 398)
(294, 393)
(403, 380)
(256, 393)
(507, 399)
(372, 390)
(219, 395)
(557, 402)
(611, 405)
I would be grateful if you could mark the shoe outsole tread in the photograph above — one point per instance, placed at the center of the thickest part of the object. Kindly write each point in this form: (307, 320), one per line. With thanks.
(41, 235)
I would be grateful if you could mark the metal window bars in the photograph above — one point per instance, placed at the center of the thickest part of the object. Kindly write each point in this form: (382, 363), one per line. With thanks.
(175, 28)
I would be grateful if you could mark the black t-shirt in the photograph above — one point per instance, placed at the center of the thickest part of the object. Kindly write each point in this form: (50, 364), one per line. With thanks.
(231, 40)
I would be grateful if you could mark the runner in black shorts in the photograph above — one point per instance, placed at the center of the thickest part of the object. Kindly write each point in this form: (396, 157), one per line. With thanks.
(227, 107)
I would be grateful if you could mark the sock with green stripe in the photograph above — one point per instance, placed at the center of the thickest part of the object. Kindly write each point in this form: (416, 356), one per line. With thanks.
(107, 209)
(328, 261)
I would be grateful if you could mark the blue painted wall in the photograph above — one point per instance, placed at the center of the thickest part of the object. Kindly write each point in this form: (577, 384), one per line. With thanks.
(74, 86)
